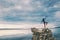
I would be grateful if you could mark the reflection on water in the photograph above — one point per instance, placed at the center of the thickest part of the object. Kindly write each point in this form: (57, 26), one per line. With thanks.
(13, 32)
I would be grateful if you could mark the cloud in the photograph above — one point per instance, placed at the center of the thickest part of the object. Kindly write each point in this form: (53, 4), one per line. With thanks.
(49, 3)
(25, 5)
(14, 7)
(27, 10)
(57, 5)
(57, 14)
(20, 10)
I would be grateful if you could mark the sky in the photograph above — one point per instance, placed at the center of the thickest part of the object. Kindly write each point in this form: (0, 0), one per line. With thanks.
(28, 13)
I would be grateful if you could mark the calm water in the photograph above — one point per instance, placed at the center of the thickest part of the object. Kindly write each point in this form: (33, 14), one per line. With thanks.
(55, 32)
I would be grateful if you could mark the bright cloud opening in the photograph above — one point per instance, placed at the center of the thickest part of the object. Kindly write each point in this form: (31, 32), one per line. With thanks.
(11, 32)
